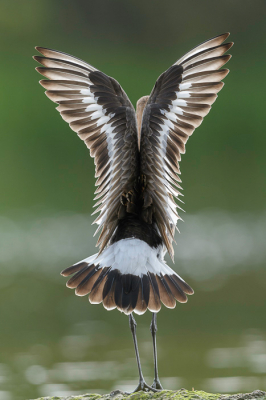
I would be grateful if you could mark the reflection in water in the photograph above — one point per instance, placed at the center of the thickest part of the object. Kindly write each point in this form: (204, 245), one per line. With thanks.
(57, 389)
(85, 371)
(63, 378)
(233, 384)
(211, 242)
(53, 343)
(36, 374)
(251, 356)
(74, 347)
(4, 395)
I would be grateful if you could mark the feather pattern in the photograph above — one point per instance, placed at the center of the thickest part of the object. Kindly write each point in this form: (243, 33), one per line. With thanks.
(180, 99)
(128, 275)
(99, 111)
(136, 158)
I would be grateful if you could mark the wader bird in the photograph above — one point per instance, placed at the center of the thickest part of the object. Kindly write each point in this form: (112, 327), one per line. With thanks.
(137, 158)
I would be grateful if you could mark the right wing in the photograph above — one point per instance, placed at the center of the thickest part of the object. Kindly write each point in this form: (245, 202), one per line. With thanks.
(99, 111)
(181, 97)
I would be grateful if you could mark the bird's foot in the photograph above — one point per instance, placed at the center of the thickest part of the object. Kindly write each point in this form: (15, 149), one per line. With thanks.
(144, 387)
(157, 384)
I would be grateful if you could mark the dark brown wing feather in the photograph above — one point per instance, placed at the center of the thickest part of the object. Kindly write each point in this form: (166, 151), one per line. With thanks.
(99, 111)
(180, 99)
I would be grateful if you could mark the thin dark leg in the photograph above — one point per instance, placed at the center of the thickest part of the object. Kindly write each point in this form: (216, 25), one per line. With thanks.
(156, 383)
(142, 384)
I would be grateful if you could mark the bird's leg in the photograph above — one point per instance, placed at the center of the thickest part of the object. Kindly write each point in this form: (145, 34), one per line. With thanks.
(156, 383)
(142, 384)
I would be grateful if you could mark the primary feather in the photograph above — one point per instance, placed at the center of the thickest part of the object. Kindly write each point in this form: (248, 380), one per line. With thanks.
(99, 111)
(137, 168)
(180, 99)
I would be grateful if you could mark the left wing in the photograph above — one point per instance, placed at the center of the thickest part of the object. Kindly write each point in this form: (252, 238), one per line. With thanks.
(180, 99)
(99, 111)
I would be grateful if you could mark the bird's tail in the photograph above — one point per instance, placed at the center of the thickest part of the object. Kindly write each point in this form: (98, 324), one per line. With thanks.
(128, 275)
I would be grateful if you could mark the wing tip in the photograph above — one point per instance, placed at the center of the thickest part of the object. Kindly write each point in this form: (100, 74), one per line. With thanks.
(38, 59)
(226, 71)
(224, 35)
(38, 69)
(227, 57)
(42, 82)
(40, 49)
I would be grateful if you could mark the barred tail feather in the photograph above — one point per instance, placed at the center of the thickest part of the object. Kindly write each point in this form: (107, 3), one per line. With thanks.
(128, 275)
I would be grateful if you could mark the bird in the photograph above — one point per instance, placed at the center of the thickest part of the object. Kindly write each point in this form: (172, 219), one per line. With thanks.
(136, 156)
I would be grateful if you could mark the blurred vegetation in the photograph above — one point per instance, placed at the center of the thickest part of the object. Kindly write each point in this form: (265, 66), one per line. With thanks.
(42, 160)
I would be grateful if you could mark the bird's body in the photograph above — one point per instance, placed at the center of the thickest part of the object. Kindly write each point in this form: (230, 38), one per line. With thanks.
(137, 169)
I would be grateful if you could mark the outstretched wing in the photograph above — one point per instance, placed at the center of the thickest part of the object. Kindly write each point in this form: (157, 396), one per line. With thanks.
(99, 111)
(180, 99)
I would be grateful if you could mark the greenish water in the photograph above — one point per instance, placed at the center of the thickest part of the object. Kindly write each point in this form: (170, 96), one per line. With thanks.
(52, 342)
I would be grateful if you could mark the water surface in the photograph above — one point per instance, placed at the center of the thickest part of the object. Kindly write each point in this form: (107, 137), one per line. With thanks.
(54, 343)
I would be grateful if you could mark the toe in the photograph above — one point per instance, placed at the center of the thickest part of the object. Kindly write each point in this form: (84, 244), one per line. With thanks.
(157, 385)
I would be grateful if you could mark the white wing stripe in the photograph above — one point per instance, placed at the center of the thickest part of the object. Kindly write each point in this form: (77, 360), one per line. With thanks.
(85, 92)
(182, 106)
(185, 86)
(94, 107)
(101, 124)
(88, 100)
(182, 95)
(178, 102)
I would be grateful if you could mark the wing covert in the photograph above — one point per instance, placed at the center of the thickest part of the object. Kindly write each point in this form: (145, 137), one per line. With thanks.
(181, 97)
(99, 111)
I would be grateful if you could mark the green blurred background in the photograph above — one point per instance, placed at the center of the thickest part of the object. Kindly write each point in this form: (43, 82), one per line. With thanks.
(52, 342)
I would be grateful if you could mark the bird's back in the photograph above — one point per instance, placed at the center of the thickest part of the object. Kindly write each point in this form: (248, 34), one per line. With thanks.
(137, 159)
